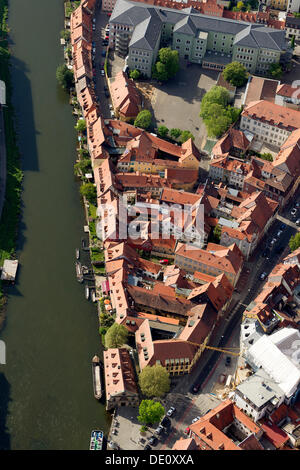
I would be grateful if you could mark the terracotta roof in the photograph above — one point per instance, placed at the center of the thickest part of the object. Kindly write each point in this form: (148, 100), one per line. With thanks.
(118, 372)
(125, 96)
(286, 90)
(179, 197)
(261, 89)
(273, 114)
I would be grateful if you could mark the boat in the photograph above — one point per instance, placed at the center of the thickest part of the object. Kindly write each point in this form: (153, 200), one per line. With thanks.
(96, 442)
(77, 253)
(93, 296)
(79, 271)
(87, 292)
(96, 369)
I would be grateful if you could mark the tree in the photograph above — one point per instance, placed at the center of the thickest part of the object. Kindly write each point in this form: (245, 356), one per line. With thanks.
(89, 191)
(150, 412)
(217, 233)
(163, 131)
(65, 34)
(240, 6)
(175, 133)
(293, 42)
(81, 125)
(82, 167)
(116, 336)
(143, 119)
(267, 156)
(65, 77)
(275, 71)
(167, 64)
(294, 242)
(135, 74)
(217, 94)
(235, 73)
(154, 381)
(186, 135)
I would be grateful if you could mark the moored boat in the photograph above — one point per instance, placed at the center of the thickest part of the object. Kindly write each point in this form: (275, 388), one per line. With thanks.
(97, 385)
(77, 252)
(87, 292)
(96, 441)
(79, 271)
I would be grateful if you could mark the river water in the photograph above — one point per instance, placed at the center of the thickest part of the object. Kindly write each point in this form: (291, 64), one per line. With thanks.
(51, 332)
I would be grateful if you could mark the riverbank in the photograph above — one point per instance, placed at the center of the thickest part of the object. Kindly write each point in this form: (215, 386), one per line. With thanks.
(11, 210)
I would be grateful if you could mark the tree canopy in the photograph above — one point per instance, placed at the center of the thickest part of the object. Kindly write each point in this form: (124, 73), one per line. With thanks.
(65, 77)
(163, 131)
(175, 132)
(186, 135)
(88, 190)
(294, 242)
(150, 412)
(154, 381)
(143, 119)
(116, 336)
(275, 71)
(135, 74)
(81, 125)
(235, 74)
(216, 113)
(167, 64)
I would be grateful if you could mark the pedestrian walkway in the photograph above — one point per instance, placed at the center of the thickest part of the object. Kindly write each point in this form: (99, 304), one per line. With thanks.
(287, 222)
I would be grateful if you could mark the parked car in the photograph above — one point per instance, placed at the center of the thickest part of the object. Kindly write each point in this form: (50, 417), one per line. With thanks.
(152, 441)
(196, 419)
(282, 226)
(159, 429)
(297, 204)
(112, 114)
(107, 94)
(147, 447)
(103, 53)
(265, 253)
(187, 430)
(263, 276)
(171, 411)
(110, 106)
(102, 73)
(298, 222)
(94, 27)
(164, 261)
(196, 388)
(279, 249)
(165, 422)
(279, 233)
(228, 361)
(294, 212)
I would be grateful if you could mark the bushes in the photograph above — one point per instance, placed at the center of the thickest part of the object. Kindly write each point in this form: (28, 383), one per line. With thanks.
(143, 119)
(65, 77)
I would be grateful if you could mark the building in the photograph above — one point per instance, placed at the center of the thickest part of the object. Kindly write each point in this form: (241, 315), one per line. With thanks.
(259, 88)
(226, 427)
(289, 96)
(120, 385)
(269, 122)
(137, 31)
(126, 98)
(292, 26)
(215, 260)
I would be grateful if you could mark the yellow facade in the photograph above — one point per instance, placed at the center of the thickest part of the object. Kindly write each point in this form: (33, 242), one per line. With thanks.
(279, 4)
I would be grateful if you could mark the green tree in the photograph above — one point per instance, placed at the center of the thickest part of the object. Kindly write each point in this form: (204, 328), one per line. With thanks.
(163, 131)
(217, 233)
(275, 71)
(65, 77)
(150, 412)
(135, 74)
(240, 6)
(65, 34)
(293, 42)
(175, 133)
(167, 64)
(294, 242)
(88, 190)
(81, 125)
(154, 381)
(116, 336)
(186, 135)
(82, 167)
(267, 156)
(217, 94)
(143, 119)
(235, 73)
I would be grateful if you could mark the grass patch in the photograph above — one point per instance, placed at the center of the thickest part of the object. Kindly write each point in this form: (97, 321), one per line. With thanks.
(92, 211)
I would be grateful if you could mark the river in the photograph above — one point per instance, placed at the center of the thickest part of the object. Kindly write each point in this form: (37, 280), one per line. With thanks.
(51, 331)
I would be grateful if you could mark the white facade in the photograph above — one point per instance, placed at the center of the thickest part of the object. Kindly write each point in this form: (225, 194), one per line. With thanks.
(264, 132)
(293, 6)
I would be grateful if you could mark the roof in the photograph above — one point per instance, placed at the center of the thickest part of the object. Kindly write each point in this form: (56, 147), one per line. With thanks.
(274, 114)
(118, 373)
(9, 270)
(287, 90)
(259, 88)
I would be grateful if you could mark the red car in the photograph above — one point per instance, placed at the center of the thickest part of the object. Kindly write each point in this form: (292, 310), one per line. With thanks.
(164, 261)
(187, 430)
(107, 38)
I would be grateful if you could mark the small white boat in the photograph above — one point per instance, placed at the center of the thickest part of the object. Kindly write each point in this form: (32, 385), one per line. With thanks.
(93, 296)
(77, 253)
(87, 292)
